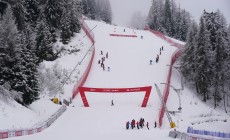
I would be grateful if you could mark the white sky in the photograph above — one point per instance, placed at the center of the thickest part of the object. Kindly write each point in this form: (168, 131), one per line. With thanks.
(123, 9)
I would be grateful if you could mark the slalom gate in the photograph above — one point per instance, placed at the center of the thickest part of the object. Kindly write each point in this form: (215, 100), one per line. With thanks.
(115, 90)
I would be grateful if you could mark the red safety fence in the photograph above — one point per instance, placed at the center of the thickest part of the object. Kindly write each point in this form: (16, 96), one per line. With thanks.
(83, 78)
(116, 90)
(21, 132)
(167, 39)
(174, 57)
(87, 31)
(120, 35)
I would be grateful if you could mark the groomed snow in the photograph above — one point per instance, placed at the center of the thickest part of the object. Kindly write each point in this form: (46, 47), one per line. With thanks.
(129, 67)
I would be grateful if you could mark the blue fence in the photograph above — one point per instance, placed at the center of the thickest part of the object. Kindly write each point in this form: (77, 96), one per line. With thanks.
(209, 133)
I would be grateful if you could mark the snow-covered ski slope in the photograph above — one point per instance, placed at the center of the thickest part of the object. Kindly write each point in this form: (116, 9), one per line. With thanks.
(129, 62)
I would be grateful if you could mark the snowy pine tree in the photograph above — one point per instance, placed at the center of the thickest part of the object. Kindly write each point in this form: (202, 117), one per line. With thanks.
(28, 63)
(155, 17)
(104, 11)
(16, 63)
(168, 18)
(89, 8)
(187, 58)
(53, 14)
(76, 14)
(9, 52)
(19, 14)
(202, 63)
(32, 12)
(65, 27)
(43, 39)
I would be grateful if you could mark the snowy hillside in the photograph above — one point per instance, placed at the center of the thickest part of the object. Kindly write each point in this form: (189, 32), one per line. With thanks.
(129, 62)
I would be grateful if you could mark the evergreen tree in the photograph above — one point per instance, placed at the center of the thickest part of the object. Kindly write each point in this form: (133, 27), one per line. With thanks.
(178, 24)
(187, 58)
(29, 67)
(32, 12)
(155, 17)
(89, 8)
(76, 14)
(43, 39)
(202, 57)
(168, 18)
(104, 11)
(53, 14)
(19, 14)
(14, 69)
(65, 28)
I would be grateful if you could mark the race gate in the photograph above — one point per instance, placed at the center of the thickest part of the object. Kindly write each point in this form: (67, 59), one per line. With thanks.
(115, 90)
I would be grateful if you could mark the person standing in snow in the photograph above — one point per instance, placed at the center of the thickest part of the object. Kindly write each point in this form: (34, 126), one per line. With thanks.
(103, 67)
(151, 62)
(133, 123)
(127, 125)
(99, 61)
(101, 52)
(107, 55)
(162, 48)
(147, 125)
(155, 124)
(137, 125)
(108, 68)
(112, 104)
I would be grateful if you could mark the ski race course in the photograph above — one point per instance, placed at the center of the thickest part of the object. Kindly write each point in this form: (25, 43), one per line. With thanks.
(129, 54)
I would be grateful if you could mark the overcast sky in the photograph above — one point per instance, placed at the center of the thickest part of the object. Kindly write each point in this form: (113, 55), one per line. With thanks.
(123, 9)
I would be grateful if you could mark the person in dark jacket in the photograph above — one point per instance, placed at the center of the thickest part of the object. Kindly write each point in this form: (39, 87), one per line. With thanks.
(127, 125)
(155, 124)
(147, 125)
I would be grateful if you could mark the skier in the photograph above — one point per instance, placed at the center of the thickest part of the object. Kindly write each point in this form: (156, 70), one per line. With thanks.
(127, 125)
(133, 123)
(108, 68)
(162, 48)
(141, 37)
(124, 30)
(151, 62)
(141, 123)
(147, 124)
(107, 55)
(101, 52)
(99, 61)
(137, 125)
(102, 64)
(112, 104)
(155, 124)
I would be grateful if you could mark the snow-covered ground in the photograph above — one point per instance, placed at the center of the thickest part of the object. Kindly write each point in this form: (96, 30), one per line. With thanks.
(14, 116)
(129, 62)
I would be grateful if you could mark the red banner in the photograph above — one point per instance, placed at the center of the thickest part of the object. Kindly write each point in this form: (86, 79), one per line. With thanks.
(120, 35)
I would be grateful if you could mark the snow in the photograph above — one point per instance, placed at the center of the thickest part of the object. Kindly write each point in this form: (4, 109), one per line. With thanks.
(129, 62)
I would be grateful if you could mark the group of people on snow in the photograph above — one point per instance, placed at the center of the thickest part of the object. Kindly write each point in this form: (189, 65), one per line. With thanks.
(157, 57)
(102, 60)
(132, 124)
